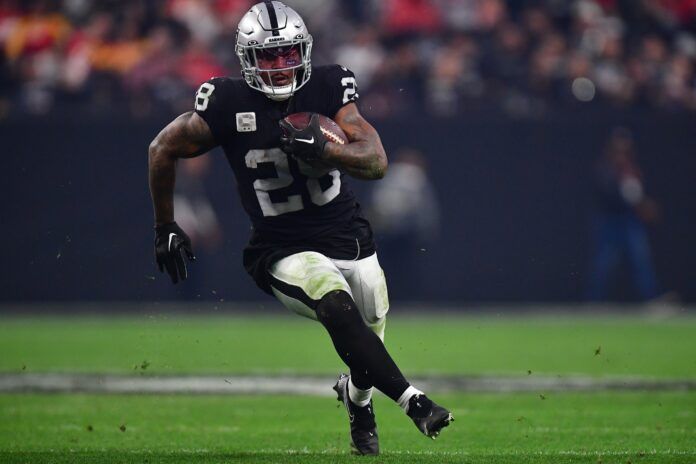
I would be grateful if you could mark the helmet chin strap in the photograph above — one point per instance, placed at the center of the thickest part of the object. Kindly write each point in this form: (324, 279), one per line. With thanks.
(279, 97)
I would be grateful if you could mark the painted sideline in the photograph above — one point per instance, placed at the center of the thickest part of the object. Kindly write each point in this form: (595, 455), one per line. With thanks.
(308, 385)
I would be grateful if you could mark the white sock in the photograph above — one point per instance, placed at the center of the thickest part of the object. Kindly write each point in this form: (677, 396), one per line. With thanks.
(357, 396)
(406, 396)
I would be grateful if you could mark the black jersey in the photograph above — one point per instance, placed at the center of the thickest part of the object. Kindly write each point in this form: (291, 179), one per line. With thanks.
(293, 207)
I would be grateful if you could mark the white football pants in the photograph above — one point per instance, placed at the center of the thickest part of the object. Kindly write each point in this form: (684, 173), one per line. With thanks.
(301, 280)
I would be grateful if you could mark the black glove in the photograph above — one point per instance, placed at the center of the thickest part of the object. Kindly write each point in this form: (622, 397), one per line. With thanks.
(170, 245)
(306, 144)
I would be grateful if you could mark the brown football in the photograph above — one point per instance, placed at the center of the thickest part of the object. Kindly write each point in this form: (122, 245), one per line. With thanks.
(329, 128)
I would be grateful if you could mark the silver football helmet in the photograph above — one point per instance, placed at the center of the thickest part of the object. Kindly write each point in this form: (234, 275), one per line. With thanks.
(272, 38)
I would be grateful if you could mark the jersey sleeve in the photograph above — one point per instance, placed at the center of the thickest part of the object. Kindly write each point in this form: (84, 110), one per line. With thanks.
(342, 89)
(213, 103)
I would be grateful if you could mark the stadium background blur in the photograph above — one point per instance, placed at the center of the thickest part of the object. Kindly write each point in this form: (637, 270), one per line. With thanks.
(510, 104)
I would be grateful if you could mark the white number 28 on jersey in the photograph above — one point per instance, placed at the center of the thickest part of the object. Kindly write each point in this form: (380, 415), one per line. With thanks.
(283, 178)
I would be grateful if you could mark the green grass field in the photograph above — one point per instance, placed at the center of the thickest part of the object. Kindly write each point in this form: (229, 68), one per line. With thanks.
(543, 427)
(439, 344)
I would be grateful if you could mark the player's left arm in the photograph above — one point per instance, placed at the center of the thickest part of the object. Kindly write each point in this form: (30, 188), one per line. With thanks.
(364, 156)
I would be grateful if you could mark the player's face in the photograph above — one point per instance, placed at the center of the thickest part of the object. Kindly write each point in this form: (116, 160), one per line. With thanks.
(278, 58)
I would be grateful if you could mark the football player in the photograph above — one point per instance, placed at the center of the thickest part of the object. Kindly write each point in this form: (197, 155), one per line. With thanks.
(310, 246)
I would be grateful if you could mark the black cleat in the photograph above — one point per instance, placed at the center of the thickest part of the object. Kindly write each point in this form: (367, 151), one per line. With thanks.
(363, 428)
(428, 416)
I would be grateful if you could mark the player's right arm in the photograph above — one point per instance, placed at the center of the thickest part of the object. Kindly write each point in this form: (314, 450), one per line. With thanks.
(185, 137)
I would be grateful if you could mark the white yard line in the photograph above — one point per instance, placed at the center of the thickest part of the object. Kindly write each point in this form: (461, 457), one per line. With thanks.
(305, 385)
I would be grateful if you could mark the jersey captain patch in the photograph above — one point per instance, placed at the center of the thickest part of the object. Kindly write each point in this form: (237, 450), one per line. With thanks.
(246, 122)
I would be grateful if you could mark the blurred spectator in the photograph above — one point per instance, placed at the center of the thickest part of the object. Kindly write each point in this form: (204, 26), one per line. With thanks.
(537, 22)
(408, 17)
(678, 84)
(398, 86)
(454, 75)
(193, 208)
(81, 51)
(197, 64)
(195, 212)
(198, 16)
(672, 13)
(38, 30)
(406, 217)
(546, 70)
(623, 212)
(32, 37)
(472, 15)
(153, 78)
(505, 64)
(363, 54)
(610, 73)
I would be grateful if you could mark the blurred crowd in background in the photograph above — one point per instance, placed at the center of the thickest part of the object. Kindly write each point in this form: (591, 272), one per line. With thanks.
(443, 56)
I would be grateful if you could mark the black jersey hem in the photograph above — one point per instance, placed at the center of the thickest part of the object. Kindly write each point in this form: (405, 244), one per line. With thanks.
(354, 244)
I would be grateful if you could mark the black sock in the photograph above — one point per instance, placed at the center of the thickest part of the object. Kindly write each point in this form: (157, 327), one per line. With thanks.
(360, 379)
(358, 346)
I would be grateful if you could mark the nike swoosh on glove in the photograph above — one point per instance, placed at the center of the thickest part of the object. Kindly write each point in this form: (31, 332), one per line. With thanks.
(306, 144)
(171, 244)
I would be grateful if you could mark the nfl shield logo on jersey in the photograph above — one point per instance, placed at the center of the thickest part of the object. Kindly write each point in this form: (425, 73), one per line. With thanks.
(246, 122)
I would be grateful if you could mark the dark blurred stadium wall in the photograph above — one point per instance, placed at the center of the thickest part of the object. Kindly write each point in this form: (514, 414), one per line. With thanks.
(510, 101)
(516, 200)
